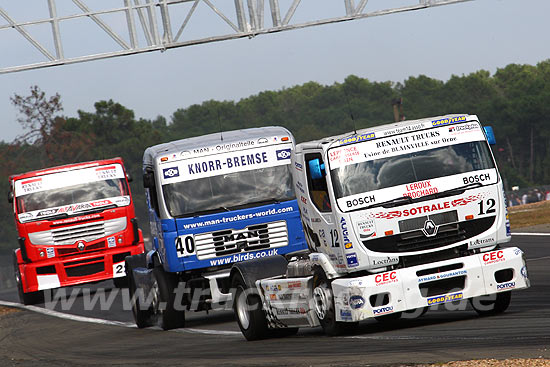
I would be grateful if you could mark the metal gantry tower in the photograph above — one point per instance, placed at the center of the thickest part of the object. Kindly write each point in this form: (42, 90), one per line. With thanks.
(46, 33)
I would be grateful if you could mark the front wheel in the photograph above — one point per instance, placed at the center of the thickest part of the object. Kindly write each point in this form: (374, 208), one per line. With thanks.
(172, 315)
(491, 304)
(247, 306)
(143, 314)
(324, 306)
(29, 298)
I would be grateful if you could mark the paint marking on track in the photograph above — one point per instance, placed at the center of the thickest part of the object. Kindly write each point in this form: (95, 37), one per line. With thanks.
(529, 234)
(93, 320)
(414, 337)
(66, 316)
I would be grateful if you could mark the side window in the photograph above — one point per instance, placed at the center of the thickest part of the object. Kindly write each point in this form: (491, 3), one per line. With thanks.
(151, 189)
(317, 186)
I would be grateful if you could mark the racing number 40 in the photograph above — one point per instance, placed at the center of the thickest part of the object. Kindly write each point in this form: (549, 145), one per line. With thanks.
(487, 206)
(185, 246)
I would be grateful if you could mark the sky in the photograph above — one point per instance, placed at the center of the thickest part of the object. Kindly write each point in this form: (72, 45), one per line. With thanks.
(438, 42)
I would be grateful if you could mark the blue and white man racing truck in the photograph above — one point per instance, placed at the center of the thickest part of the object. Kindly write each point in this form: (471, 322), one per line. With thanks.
(398, 218)
(213, 200)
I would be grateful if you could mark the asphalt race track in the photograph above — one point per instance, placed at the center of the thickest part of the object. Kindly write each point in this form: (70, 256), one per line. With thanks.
(30, 338)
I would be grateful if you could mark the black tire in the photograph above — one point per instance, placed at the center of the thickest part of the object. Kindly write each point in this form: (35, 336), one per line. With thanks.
(29, 298)
(171, 316)
(324, 306)
(144, 317)
(121, 282)
(488, 306)
(247, 306)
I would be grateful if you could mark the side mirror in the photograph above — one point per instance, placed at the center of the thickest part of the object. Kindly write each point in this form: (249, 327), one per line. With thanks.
(10, 196)
(316, 169)
(148, 180)
(490, 135)
(129, 177)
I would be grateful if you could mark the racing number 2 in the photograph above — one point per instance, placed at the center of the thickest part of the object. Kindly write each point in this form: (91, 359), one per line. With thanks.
(490, 208)
(185, 246)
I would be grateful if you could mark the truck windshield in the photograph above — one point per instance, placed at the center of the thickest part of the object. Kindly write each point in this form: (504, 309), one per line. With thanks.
(71, 192)
(417, 166)
(229, 191)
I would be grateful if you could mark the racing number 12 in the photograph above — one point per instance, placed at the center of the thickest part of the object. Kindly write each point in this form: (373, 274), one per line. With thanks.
(185, 246)
(490, 207)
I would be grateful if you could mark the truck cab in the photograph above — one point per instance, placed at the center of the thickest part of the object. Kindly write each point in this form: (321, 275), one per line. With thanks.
(214, 200)
(398, 218)
(76, 224)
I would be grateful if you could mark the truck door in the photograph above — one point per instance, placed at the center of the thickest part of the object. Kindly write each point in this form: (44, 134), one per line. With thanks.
(321, 227)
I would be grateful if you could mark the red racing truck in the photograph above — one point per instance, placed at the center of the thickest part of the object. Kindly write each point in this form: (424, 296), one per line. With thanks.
(76, 224)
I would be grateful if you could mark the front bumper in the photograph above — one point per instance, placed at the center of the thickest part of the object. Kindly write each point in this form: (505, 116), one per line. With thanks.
(429, 284)
(74, 270)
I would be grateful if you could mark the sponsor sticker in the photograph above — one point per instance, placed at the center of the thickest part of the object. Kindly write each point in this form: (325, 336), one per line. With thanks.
(386, 278)
(283, 154)
(345, 314)
(50, 252)
(357, 138)
(367, 228)
(111, 242)
(352, 260)
(507, 285)
(493, 257)
(444, 299)
(171, 172)
(382, 310)
(356, 302)
(448, 121)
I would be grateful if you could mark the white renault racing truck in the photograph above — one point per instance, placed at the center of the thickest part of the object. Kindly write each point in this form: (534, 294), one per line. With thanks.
(213, 201)
(397, 218)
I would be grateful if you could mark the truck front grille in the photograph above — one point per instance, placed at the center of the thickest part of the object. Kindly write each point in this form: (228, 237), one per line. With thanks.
(415, 240)
(87, 232)
(232, 241)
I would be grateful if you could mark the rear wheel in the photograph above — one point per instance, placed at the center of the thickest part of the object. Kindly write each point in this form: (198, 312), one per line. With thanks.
(171, 316)
(143, 315)
(247, 306)
(29, 298)
(324, 306)
(492, 304)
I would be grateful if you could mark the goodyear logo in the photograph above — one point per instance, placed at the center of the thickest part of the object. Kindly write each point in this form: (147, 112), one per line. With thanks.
(448, 121)
(444, 299)
(357, 138)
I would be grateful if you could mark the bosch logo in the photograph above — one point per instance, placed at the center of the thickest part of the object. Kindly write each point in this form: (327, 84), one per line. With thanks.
(283, 154)
(171, 172)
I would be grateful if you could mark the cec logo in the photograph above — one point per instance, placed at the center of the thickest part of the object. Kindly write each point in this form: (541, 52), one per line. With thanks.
(283, 154)
(171, 172)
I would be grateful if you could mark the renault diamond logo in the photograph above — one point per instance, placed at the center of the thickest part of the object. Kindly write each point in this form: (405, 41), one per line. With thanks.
(430, 229)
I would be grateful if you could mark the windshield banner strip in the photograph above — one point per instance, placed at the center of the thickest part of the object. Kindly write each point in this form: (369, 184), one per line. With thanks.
(68, 178)
(74, 208)
(418, 189)
(406, 143)
(226, 163)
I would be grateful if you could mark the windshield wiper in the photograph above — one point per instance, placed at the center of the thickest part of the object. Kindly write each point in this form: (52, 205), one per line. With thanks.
(97, 210)
(208, 211)
(54, 216)
(402, 200)
(451, 192)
